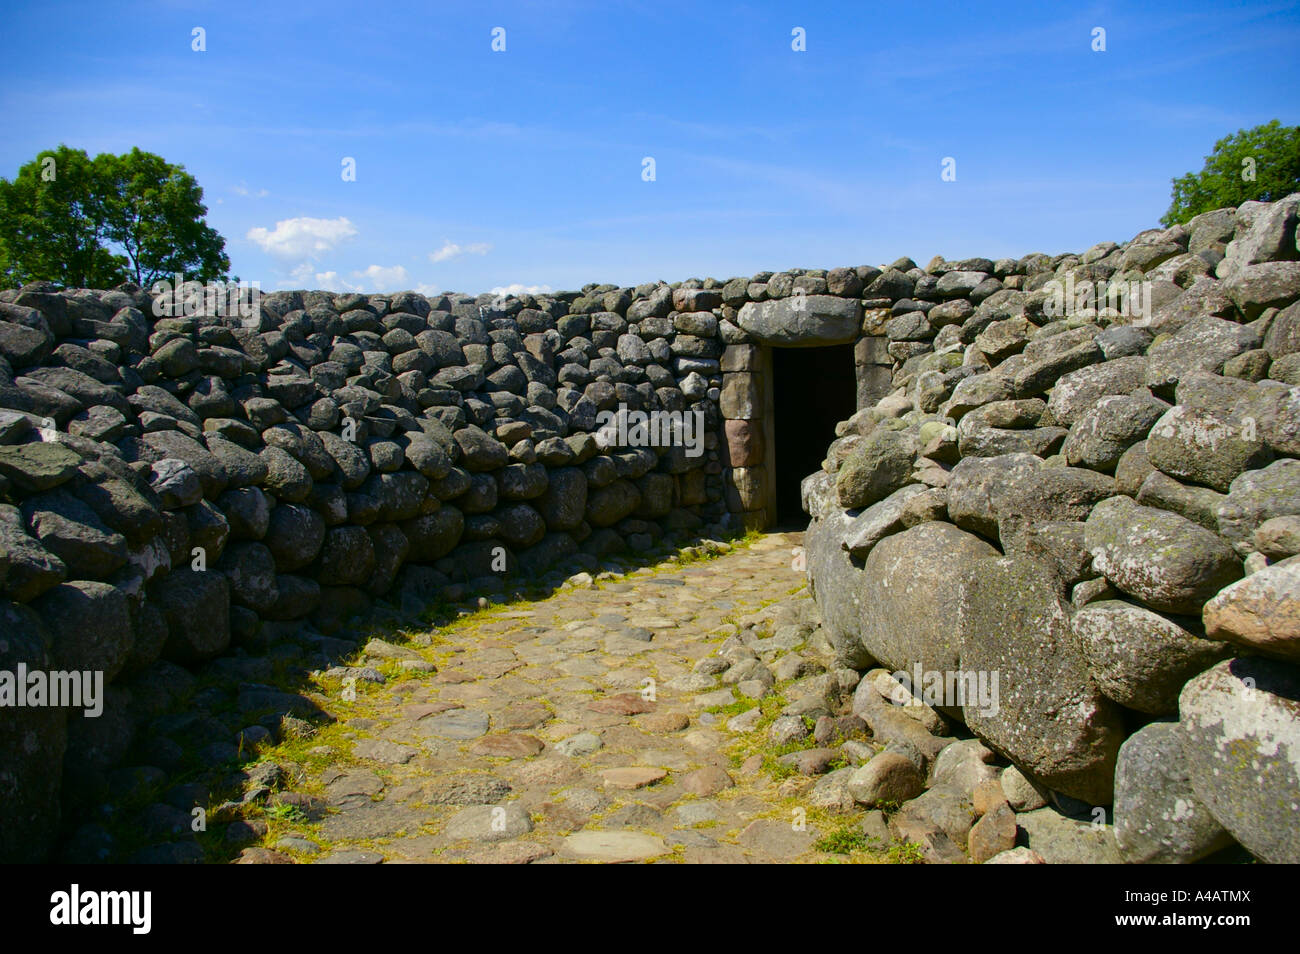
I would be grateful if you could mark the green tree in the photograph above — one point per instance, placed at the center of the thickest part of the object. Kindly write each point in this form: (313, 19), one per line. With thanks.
(1261, 163)
(96, 223)
(155, 215)
(53, 223)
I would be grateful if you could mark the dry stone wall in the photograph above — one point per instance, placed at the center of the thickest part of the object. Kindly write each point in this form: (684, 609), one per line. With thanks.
(176, 486)
(1100, 509)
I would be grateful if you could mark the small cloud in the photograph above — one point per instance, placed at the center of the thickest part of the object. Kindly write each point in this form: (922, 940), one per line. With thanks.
(424, 288)
(243, 189)
(451, 250)
(518, 289)
(384, 279)
(302, 237)
(331, 281)
(369, 280)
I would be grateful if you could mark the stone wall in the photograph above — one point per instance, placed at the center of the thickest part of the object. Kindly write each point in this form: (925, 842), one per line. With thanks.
(1102, 509)
(179, 490)
(173, 489)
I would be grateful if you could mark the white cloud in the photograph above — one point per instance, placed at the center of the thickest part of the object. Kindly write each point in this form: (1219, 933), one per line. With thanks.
(384, 279)
(243, 189)
(452, 250)
(424, 288)
(302, 237)
(369, 280)
(518, 289)
(330, 281)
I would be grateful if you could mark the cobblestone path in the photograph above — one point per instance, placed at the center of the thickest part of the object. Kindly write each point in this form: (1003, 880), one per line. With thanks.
(583, 727)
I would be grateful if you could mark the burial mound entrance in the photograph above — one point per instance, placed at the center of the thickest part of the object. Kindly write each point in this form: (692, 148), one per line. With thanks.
(813, 389)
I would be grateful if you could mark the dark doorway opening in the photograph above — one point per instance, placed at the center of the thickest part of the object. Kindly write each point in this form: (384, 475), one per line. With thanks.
(815, 389)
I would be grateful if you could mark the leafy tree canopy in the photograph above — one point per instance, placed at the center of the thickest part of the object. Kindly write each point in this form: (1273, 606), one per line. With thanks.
(1261, 163)
(94, 223)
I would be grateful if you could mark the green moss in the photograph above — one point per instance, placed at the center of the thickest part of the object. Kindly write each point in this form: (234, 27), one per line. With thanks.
(904, 853)
(842, 840)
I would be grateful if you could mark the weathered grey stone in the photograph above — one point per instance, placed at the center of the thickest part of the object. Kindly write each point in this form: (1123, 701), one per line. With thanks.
(1255, 288)
(1065, 841)
(876, 468)
(73, 532)
(1021, 794)
(1279, 537)
(1044, 495)
(1257, 496)
(27, 569)
(90, 626)
(294, 535)
(1048, 715)
(608, 505)
(479, 450)
(176, 483)
(1203, 447)
(460, 724)
(976, 438)
(352, 464)
(250, 570)
(1265, 232)
(963, 766)
(1240, 727)
(973, 483)
(906, 597)
(1203, 344)
(286, 478)
(1075, 393)
(427, 456)
(939, 820)
(889, 778)
(1162, 559)
(33, 739)
(37, 467)
(835, 580)
(1101, 435)
(1283, 335)
(1198, 504)
(1274, 411)
(801, 321)
(894, 726)
(347, 557)
(878, 521)
(211, 473)
(248, 512)
(1139, 658)
(197, 608)
(1158, 819)
(488, 823)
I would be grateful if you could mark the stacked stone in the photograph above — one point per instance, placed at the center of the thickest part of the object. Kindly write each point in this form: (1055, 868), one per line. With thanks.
(1104, 510)
(175, 487)
(743, 404)
(797, 308)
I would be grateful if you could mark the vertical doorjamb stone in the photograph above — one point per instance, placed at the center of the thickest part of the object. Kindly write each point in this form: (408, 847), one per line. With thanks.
(747, 400)
(874, 368)
(768, 431)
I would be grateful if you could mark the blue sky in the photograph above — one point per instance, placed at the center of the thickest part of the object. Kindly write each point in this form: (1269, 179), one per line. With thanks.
(478, 169)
